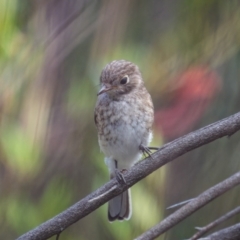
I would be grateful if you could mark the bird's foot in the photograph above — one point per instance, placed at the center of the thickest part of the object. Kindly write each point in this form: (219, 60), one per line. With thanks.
(146, 151)
(119, 176)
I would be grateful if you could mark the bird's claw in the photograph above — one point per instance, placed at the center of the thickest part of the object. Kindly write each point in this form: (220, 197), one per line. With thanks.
(146, 151)
(119, 176)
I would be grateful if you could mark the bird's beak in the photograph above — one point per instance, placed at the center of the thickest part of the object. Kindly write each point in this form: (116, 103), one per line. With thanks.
(104, 89)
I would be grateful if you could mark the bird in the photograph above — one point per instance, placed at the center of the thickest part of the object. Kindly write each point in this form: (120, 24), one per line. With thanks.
(123, 117)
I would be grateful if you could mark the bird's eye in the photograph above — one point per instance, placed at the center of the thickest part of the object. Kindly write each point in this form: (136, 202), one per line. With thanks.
(124, 80)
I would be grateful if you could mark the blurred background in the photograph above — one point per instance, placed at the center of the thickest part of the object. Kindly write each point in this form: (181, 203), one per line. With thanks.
(51, 56)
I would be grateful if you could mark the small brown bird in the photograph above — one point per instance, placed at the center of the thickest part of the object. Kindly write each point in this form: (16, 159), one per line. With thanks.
(124, 117)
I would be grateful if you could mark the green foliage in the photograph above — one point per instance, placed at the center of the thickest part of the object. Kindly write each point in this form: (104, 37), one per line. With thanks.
(7, 26)
(79, 97)
(22, 213)
(22, 156)
(56, 198)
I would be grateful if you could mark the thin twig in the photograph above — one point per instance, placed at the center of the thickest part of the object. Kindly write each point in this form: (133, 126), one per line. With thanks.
(180, 204)
(203, 230)
(165, 154)
(229, 233)
(191, 207)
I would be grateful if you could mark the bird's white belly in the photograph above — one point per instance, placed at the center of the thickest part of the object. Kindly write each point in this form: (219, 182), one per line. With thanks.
(124, 128)
(123, 144)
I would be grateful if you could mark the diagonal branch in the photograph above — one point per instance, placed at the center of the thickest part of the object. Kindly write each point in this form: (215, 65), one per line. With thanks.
(203, 230)
(165, 154)
(229, 233)
(191, 207)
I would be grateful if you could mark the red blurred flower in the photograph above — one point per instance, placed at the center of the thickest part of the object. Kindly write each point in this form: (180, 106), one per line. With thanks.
(195, 89)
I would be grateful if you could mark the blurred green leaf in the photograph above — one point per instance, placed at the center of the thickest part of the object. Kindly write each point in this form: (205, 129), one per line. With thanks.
(7, 25)
(56, 198)
(21, 213)
(22, 155)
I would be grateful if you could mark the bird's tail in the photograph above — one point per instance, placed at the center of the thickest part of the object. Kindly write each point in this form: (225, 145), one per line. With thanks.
(119, 208)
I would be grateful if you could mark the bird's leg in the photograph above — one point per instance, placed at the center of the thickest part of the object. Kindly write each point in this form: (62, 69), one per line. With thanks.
(153, 148)
(119, 174)
(146, 151)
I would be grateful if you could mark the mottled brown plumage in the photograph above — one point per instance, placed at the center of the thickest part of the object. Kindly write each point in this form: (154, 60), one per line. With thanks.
(124, 117)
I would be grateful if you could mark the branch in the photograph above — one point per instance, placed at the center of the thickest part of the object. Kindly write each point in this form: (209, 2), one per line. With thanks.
(165, 154)
(191, 207)
(230, 233)
(203, 230)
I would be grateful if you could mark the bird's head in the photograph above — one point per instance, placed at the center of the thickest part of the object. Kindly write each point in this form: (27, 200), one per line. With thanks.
(120, 77)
